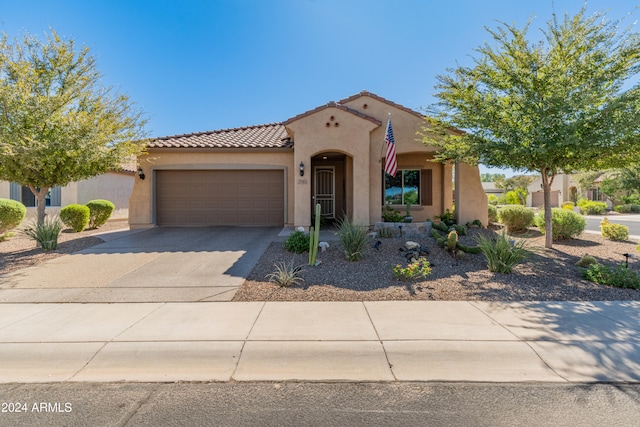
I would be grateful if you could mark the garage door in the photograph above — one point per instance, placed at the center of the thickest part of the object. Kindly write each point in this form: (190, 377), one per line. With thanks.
(220, 197)
(538, 199)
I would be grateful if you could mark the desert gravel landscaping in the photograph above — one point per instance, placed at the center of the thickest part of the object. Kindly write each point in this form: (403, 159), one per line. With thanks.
(548, 275)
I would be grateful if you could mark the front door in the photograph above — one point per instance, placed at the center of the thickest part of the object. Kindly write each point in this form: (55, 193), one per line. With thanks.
(324, 191)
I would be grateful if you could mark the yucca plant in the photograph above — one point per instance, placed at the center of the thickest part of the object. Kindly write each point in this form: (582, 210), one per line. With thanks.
(501, 254)
(354, 239)
(46, 234)
(286, 274)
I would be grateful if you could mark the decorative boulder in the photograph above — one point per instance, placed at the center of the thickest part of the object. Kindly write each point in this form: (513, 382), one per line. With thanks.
(411, 245)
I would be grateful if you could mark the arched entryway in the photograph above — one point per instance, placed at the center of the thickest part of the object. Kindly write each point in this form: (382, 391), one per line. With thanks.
(329, 185)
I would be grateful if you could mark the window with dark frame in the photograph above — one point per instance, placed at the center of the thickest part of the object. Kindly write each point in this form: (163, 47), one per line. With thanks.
(402, 189)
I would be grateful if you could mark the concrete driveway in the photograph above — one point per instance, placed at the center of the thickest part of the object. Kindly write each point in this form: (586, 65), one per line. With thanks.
(166, 264)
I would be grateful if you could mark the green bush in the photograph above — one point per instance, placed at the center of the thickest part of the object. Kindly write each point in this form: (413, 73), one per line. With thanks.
(593, 208)
(46, 234)
(630, 208)
(493, 213)
(419, 268)
(564, 224)
(618, 276)
(391, 215)
(512, 198)
(99, 212)
(586, 261)
(516, 218)
(297, 242)
(75, 217)
(501, 254)
(354, 239)
(615, 232)
(492, 199)
(11, 215)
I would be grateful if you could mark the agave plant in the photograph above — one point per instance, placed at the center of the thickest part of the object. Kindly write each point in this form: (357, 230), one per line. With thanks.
(46, 234)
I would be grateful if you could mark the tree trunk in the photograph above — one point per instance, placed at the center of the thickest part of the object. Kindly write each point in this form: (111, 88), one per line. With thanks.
(41, 201)
(546, 189)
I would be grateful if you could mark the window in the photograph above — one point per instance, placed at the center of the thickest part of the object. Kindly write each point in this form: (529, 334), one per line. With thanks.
(402, 189)
(25, 195)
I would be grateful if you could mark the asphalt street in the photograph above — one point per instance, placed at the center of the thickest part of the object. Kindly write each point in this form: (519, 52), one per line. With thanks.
(321, 404)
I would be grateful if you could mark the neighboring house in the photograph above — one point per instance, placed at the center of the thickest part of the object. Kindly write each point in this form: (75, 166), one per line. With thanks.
(115, 186)
(274, 174)
(490, 188)
(565, 188)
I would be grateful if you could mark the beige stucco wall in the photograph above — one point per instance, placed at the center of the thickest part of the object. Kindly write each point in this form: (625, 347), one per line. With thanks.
(141, 202)
(346, 133)
(471, 200)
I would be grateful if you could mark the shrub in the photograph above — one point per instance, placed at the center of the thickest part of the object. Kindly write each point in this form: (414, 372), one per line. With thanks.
(568, 205)
(354, 239)
(75, 217)
(586, 261)
(512, 198)
(46, 234)
(391, 215)
(11, 215)
(593, 208)
(618, 276)
(297, 242)
(99, 212)
(492, 199)
(516, 218)
(630, 208)
(615, 232)
(286, 274)
(418, 268)
(493, 213)
(564, 224)
(501, 254)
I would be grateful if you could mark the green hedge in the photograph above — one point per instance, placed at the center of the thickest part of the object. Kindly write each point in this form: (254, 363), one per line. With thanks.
(75, 216)
(11, 214)
(565, 224)
(630, 208)
(516, 218)
(99, 212)
(593, 208)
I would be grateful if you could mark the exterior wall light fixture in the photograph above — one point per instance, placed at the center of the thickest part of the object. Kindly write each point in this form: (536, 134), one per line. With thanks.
(140, 173)
(301, 169)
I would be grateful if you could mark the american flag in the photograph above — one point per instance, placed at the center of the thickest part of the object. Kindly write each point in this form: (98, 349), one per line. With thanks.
(390, 161)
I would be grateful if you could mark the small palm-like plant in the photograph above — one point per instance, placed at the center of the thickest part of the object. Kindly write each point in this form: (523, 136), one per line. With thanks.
(501, 254)
(286, 274)
(354, 239)
(46, 234)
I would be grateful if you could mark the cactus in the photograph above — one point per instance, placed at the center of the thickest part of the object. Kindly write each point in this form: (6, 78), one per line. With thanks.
(314, 237)
(452, 240)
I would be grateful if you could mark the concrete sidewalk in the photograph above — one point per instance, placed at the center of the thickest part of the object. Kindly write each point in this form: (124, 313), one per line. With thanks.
(318, 341)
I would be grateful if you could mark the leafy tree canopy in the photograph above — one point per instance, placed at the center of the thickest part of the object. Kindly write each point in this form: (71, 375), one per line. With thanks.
(563, 104)
(58, 124)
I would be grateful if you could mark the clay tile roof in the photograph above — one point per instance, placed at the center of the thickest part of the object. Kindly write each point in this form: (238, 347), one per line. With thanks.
(129, 165)
(271, 135)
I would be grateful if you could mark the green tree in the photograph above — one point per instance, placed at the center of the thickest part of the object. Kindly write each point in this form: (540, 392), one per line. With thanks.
(491, 177)
(57, 123)
(561, 104)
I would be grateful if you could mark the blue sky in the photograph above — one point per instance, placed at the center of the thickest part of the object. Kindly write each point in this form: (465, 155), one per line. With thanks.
(198, 65)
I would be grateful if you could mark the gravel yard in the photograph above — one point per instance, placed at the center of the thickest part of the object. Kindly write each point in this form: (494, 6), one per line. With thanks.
(548, 275)
(20, 251)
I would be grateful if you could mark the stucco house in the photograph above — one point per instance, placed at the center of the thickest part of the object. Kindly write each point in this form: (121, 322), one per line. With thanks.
(565, 188)
(274, 174)
(115, 186)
